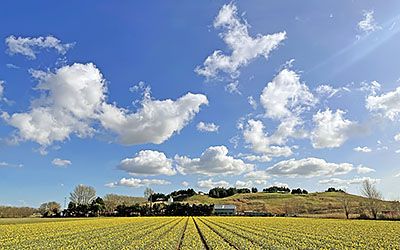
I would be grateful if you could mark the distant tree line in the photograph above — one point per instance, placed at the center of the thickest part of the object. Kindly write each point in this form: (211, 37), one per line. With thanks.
(220, 192)
(299, 191)
(276, 189)
(85, 203)
(162, 209)
(332, 189)
(16, 212)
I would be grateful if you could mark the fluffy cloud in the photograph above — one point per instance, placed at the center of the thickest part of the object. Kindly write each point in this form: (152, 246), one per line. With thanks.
(185, 183)
(285, 96)
(73, 98)
(148, 162)
(368, 24)
(284, 99)
(60, 162)
(258, 158)
(343, 182)
(210, 183)
(388, 104)
(213, 161)
(135, 183)
(364, 170)
(397, 137)
(26, 45)
(362, 149)
(331, 129)
(244, 184)
(155, 122)
(258, 177)
(308, 167)
(244, 47)
(207, 127)
(260, 142)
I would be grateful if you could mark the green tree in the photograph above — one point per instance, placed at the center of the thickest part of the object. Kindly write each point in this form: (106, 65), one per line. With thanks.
(48, 209)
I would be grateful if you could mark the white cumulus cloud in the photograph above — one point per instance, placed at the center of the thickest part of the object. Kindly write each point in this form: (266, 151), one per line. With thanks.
(27, 45)
(362, 149)
(308, 167)
(148, 162)
(213, 161)
(258, 177)
(244, 47)
(207, 127)
(260, 142)
(285, 95)
(73, 98)
(210, 183)
(388, 104)
(135, 183)
(155, 122)
(243, 184)
(258, 158)
(331, 129)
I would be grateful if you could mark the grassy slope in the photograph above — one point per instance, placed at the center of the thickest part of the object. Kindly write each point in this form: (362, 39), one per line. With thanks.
(314, 203)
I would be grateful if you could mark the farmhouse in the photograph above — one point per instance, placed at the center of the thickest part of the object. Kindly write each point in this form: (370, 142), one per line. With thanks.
(224, 209)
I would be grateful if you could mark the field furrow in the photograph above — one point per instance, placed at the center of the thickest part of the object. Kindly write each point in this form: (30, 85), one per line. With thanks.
(202, 233)
(213, 240)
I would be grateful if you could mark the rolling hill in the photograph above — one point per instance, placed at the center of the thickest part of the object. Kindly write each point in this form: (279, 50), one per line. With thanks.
(324, 204)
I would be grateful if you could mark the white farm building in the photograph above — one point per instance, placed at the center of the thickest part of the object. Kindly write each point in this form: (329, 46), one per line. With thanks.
(224, 209)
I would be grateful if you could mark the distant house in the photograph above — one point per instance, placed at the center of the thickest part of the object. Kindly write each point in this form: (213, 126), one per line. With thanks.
(224, 209)
(170, 200)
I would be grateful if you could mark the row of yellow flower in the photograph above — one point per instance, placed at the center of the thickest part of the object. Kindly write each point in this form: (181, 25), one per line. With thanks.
(201, 233)
(301, 233)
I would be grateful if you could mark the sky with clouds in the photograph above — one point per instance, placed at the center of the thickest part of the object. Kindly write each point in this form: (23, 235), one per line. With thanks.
(197, 94)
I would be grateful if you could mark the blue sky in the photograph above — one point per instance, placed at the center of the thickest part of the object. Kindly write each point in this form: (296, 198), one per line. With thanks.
(197, 94)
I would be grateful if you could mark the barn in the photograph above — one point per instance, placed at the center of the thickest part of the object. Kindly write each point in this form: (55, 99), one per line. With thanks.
(224, 209)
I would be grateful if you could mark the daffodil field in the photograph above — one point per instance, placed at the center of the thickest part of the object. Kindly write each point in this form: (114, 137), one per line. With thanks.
(200, 233)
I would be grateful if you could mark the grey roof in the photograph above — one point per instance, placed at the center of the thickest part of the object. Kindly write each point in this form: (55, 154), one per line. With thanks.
(224, 207)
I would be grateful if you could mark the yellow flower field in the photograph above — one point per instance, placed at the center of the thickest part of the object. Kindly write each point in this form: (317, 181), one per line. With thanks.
(199, 233)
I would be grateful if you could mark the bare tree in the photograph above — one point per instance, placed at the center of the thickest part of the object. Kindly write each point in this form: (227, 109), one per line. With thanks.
(148, 192)
(346, 206)
(111, 201)
(374, 196)
(83, 195)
